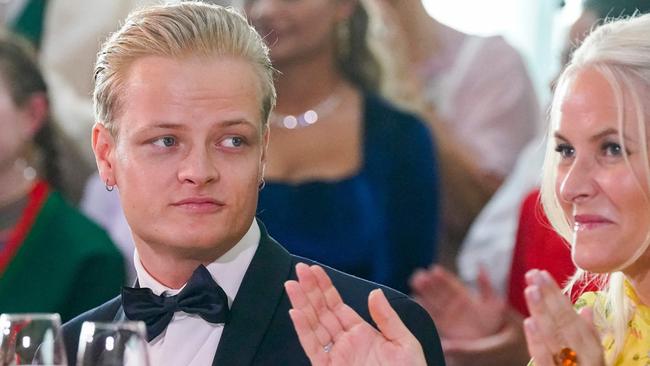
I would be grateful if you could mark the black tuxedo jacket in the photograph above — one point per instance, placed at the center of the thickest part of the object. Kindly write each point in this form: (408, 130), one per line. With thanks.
(260, 331)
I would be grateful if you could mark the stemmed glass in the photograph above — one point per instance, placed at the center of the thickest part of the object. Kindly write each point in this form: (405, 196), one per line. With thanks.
(113, 344)
(31, 339)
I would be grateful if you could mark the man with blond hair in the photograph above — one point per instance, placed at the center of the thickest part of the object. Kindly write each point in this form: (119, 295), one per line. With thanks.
(182, 97)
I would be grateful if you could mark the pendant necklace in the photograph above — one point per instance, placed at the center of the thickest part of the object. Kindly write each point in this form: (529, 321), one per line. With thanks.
(310, 116)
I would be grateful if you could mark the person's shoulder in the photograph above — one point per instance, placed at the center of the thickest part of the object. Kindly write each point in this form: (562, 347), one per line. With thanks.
(497, 54)
(496, 43)
(392, 125)
(379, 108)
(102, 313)
(351, 287)
(79, 232)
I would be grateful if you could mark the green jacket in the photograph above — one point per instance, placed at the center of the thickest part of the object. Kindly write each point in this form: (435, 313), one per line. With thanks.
(66, 264)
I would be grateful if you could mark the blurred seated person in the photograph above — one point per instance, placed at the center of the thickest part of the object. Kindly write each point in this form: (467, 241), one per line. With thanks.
(351, 181)
(52, 259)
(481, 104)
(26, 18)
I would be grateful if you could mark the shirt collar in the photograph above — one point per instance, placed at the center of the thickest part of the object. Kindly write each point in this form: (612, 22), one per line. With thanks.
(228, 270)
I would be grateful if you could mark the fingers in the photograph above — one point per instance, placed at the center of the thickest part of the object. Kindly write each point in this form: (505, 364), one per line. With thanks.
(316, 298)
(346, 316)
(387, 320)
(554, 324)
(544, 324)
(438, 290)
(393, 329)
(300, 302)
(587, 314)
(307, 337)
(537, 347)
(485, 288)
(554, 313)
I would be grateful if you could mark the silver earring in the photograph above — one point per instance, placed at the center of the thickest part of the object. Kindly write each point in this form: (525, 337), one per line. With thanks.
(262, 185)
(109, 188)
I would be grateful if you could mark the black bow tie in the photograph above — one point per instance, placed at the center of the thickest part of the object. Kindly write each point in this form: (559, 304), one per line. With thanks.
(201, 296)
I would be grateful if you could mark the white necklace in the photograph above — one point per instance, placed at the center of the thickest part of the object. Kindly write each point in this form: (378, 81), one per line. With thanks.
(310, 116)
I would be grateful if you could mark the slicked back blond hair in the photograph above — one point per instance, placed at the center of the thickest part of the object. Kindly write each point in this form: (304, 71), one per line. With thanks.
(177, 30)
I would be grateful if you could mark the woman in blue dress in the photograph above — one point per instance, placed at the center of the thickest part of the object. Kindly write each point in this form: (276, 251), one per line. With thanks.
(351, 181)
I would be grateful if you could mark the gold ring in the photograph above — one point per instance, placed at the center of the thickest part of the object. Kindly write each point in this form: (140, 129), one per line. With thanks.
(566, 357)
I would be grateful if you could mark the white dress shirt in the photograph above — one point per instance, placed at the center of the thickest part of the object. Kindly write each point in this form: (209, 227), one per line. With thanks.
(189, 340)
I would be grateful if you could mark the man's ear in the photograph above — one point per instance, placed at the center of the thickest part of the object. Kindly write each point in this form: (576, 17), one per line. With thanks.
(104, 148)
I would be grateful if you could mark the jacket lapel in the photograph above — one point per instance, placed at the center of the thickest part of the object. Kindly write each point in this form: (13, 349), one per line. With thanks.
(255, 303)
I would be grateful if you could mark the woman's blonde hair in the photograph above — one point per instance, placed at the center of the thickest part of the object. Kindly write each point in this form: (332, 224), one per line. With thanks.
(177, 30)
(620, 51)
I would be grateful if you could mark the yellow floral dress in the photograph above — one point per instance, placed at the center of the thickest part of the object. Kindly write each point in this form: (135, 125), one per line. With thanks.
(636, 350)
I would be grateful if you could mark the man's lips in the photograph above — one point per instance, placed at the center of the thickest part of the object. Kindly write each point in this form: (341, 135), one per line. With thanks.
(588, 222)
(199, 204)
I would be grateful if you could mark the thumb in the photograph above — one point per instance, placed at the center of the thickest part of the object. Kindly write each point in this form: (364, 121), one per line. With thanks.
(387, 320)
(485, 288)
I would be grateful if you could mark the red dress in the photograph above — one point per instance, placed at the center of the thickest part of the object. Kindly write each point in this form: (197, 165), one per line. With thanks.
(537, 246)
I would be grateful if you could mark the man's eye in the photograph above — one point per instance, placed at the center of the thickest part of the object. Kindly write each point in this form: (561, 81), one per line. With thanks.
(233, 141)
(166, 141)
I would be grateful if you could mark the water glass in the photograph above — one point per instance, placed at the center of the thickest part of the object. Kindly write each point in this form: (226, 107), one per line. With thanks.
(113, 344)
(31, 339)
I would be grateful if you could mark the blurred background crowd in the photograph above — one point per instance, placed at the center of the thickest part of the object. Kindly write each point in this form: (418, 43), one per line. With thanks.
(406, 148)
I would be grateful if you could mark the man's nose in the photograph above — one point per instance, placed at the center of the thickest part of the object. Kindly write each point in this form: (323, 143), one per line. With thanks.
(198, 168)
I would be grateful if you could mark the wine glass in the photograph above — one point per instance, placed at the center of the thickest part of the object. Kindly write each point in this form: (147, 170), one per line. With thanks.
(31, 339)
(113, 344)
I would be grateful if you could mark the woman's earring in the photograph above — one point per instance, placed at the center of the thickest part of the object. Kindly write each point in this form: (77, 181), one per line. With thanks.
(109, 188)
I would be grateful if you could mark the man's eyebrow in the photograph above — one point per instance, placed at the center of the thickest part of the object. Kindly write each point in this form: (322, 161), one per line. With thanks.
(165, 126)
(184, 127)
(235, 122)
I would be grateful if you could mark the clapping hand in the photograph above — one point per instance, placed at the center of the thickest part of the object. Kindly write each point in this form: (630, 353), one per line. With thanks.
(555, 333)
(332, 333)
(457, 312)
(472, 326)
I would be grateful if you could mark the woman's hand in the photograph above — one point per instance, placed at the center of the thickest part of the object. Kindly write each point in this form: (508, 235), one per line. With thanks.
(458, 313)
(505, 347)
(472, 326)
(332, 333)
(554, 326)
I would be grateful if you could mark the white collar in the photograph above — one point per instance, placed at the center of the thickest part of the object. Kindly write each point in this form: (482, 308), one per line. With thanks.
(228, 270)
